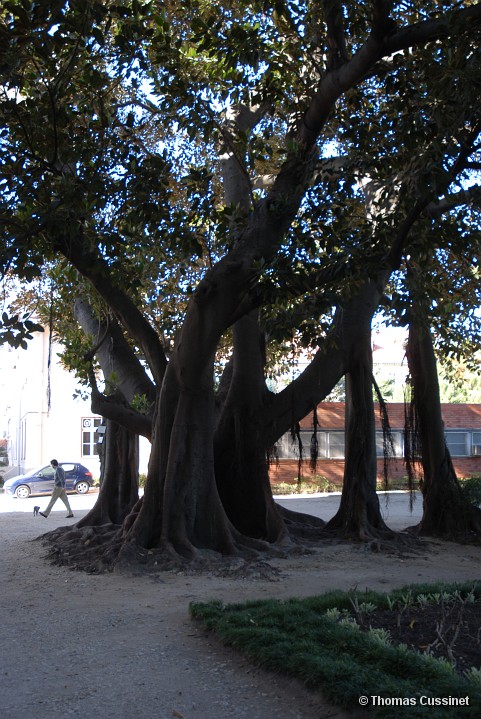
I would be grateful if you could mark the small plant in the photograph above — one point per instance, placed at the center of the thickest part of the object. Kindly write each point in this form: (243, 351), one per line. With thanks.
(450, 623)
(339, 615)
(474, 675)
(362, 609)
(381, 635)
(348, 621)
(323, 483)
(423, 600)
(283, 488)
(141, 404)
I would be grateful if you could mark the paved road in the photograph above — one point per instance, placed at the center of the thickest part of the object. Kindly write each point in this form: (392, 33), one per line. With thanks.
(394, 506)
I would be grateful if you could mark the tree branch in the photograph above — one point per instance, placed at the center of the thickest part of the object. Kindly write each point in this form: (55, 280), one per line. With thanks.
(470, 196)
(336, 40)
(116, 357)
(111, 408)
(430, 30)
(89, 263)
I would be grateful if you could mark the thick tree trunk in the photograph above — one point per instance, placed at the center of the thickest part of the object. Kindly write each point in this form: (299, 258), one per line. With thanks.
(182, 512)
(359, 514)
(119, 478)
(241, 466)
(446, 513)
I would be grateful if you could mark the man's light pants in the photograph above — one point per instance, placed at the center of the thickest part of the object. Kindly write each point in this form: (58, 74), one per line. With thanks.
(58, 493)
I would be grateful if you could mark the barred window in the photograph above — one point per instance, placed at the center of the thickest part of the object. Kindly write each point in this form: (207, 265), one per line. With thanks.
(336, 445)
(331, 444)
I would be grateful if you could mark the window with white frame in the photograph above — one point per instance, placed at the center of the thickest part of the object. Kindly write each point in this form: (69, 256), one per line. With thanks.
(287, 446)
(397, 448)
(476, 444)
(330, 445)
(458, 443)
(89, 436)
(336, 445)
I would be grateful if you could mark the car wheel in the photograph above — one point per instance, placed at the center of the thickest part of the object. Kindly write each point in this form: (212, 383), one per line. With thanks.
(22, 492)
(82, 487)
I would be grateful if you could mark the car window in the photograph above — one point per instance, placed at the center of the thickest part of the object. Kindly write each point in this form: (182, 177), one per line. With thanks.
(45, 472)
(68, 467)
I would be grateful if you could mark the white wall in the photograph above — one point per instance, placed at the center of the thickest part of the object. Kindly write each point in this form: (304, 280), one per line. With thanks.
(36, 433)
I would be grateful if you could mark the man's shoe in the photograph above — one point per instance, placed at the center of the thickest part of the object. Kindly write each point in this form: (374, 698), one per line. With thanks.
(68, 516)
(43, 515)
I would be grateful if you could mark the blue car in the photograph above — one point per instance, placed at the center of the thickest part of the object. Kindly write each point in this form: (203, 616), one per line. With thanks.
(40, 481)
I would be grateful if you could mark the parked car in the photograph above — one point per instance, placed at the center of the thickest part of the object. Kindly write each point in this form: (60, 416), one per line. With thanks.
(41, 481)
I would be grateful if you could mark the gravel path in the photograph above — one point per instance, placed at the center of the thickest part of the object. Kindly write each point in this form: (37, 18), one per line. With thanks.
(118, 647)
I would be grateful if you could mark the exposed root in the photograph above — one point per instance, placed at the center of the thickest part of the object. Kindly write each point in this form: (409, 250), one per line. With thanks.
(400, 545)
(104, 548)
(136, 560)
(462, 527)
(302, 526)
(382, 539)
(448, 534)
(89, 549)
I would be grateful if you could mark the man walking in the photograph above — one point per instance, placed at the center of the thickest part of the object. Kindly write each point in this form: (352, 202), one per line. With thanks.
(58, 490)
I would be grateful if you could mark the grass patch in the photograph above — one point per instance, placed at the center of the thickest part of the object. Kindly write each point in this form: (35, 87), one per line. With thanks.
(320, 641)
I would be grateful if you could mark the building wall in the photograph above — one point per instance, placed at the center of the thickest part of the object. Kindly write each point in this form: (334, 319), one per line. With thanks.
(330, 416)
(34, 432)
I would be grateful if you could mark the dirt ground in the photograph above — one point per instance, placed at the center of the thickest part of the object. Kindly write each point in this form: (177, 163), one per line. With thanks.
(117, 646)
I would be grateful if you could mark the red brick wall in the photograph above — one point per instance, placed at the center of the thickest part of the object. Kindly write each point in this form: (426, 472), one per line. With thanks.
(331, 416)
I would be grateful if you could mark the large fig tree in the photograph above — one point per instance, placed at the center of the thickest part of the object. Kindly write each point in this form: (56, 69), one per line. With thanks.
(215, 175)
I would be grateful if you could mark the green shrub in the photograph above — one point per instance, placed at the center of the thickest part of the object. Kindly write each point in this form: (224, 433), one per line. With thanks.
(307, 485)
(472, 489)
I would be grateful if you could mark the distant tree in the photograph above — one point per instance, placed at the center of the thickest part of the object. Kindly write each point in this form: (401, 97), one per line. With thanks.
(459, 385)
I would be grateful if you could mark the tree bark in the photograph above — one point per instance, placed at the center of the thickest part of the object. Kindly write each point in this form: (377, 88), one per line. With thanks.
(119, 478)
(359, 514)
(182, 511)
(446, 513)
(241, 465)
(120, 365)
